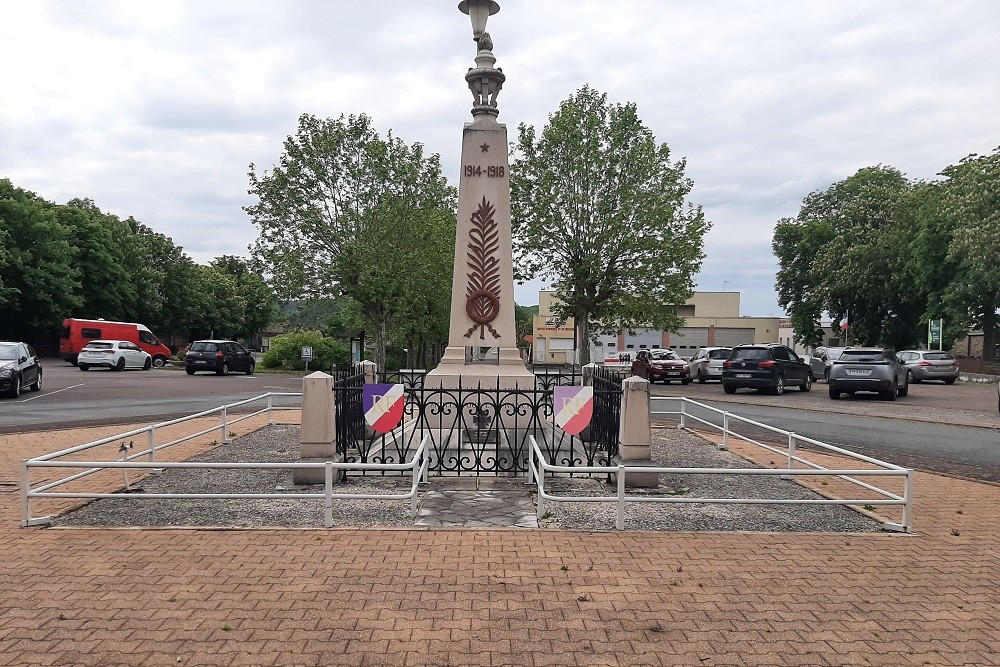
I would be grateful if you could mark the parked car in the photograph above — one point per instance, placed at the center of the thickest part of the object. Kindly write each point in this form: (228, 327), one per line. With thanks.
(874, 369)
(765, 367)
(661, 364)
(114, 354)
(77, 334)
(218, 356)
(930, 365)
(821, 361)
(19, 368)
(706, 364)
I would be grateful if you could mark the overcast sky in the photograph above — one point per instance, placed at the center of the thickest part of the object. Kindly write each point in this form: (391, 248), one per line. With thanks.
(156, 109)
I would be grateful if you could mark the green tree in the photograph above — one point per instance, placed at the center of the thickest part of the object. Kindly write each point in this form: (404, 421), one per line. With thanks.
(285, 351)
(259, 302)
(345, 212)
(39, 279)
(970, 208)
(847, 253)
(599, 210)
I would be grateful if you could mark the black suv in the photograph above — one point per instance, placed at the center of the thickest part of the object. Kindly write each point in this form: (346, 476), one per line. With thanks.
(19, 368)
(218, 356)
(768, 366)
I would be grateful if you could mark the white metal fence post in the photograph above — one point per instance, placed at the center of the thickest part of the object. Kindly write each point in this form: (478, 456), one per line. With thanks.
(908, 506)
(225, 426)
(791, 455)
(683, 414)
(328, 491)
(270, 412)
(25, 508)
(725, 431)
(620, 521)
(151, 441)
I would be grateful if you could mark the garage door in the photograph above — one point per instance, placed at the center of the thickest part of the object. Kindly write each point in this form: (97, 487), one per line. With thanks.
(644, 339)
(687, 340)
(607, 347)
(731, 337)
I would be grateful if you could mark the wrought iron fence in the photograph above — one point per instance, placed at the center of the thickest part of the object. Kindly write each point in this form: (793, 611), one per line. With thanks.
(605, 424)
(348, 389)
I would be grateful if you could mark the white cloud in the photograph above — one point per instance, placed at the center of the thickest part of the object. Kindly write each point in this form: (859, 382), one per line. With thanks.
(156, 109)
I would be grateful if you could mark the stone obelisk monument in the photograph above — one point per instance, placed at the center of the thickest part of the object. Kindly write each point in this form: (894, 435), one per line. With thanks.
(482, 293)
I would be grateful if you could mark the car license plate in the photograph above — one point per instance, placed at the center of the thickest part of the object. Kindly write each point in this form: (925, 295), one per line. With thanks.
(859, 371)
(743, 376)
(200, 361)
(673, 372)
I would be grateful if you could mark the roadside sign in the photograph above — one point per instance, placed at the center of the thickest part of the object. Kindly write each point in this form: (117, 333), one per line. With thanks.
(383, 405)
(573, 407)
(307, 353)
(934, 328)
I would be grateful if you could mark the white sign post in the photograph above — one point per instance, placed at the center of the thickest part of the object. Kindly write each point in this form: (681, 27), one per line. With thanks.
(307, 354)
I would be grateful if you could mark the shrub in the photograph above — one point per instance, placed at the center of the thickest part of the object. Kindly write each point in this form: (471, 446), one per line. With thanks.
(285, 352)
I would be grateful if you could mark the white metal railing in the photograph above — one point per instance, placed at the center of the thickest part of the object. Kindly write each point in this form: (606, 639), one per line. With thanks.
(537, 467)
(417, 467)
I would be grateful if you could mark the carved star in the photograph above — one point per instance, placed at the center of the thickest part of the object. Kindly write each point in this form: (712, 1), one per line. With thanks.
(485, 147)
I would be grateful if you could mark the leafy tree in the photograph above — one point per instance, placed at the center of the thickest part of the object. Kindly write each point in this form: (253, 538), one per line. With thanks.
(346, 212)
(39, 279)
(599, 210)
(970, 207)
(847, 253)
(258, 301)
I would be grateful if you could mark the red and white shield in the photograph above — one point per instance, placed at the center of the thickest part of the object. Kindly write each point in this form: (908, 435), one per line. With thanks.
(573, 408)
(383, 404)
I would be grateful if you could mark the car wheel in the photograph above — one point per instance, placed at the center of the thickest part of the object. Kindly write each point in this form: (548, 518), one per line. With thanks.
(224, 370)
(650, 378)
(826, 376)
(83, 367)
(15, 386)
(779, 386)
(37, 384)
(834, 394)
(889, 395)
(914, 380)
(120, 366)
(950, 381)
(189, 371)
(159, 362)
(808, 384)
(701, 377)
(728, 389)
(686, 381)
(905, 389)
(250, 368)
(149, 364)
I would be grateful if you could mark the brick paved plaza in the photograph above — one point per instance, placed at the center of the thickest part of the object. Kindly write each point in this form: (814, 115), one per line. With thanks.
(500, 597)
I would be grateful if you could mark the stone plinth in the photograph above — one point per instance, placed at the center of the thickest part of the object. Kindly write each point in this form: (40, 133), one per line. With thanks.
(319, 434)
(635, 435)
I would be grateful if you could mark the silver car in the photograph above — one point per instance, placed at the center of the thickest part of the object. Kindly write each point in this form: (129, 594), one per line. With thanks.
(706, 364)
(821, 361)
(869, 369)
(930, 365)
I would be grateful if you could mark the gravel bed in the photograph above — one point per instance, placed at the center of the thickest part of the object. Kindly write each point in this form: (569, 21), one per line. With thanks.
(671, 448)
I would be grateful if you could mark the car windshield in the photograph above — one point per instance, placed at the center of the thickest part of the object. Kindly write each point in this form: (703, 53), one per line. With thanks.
(863, 356)
(662, 355)
(719, 354)
(203, 347)
(751, 353)
(8, 352)
(99, 346)
(938, 356)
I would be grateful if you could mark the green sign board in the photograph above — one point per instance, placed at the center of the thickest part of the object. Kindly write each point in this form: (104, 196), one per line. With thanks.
(934, 328)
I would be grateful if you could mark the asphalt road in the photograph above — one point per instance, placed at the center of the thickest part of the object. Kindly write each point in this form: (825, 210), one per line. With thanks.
(71, 397)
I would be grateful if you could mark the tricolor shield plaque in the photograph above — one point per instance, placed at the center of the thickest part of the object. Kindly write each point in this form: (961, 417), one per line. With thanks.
(383, 405)
(573, 407)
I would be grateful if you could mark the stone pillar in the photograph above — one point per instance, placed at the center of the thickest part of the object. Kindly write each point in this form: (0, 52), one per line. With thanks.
(370, 369)
(319, 434)
(634, 433)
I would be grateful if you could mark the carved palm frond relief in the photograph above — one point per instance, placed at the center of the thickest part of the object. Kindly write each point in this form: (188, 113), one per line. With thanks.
(482, 302)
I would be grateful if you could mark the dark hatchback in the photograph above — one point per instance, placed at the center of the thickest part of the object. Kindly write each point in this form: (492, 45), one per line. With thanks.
(19, 368)
(219, 357)
(769, 367)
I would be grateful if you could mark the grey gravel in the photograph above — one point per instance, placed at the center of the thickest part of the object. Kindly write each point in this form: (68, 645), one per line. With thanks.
(671, 448)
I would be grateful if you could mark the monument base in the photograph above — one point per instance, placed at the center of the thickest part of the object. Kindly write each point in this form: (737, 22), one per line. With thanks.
(637, 480)
(508, 373)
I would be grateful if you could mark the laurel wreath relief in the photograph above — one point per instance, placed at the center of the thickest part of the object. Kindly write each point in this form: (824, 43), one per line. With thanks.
(482, 301)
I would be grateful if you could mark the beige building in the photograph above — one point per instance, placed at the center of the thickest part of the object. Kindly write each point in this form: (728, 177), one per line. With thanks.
(710, 319)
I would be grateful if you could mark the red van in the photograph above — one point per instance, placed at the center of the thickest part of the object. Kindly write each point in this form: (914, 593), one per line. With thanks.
(77, 333)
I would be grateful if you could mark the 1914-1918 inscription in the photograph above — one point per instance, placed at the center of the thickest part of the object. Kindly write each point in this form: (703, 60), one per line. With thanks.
(492, 171)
